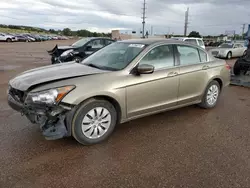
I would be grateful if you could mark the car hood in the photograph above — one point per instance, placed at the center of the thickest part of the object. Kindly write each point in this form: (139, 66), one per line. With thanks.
(49, 73)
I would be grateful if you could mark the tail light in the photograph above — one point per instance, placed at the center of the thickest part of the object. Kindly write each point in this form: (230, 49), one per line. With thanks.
(227, 66)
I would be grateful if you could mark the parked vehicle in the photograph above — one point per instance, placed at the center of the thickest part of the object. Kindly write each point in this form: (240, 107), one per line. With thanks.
(7, 38)
(126, 80)
(21, 38)
(229, 50)
(191, 40)
(79, 50)
(30, 39)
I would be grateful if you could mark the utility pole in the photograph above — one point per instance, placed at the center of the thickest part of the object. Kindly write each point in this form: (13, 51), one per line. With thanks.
(151, 30)
(143, 18)
(243, 30)
(186, 22)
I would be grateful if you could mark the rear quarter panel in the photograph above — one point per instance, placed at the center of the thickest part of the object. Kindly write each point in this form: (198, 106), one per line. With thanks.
(218, 70)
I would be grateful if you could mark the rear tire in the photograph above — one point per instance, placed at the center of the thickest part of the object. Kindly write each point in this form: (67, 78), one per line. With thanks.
(94, 121)
(8, 40)
(211, 95)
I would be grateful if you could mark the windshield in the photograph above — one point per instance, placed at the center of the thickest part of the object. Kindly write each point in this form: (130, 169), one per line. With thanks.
(81, 42)
(226, 45)
(115, 56)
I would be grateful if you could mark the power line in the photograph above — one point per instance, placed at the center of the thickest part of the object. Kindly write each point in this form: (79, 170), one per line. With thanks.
(143, 18)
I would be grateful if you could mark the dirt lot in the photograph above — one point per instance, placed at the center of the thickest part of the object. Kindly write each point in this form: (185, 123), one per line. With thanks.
(189, 147)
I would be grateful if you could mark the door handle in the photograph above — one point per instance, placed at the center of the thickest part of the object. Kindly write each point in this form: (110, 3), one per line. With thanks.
(205, 67)
(172, 74)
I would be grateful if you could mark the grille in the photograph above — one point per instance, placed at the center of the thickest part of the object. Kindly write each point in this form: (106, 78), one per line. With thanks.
(17, 94)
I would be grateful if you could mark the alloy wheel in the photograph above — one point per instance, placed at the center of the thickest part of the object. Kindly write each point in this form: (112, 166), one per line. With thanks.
(212, 95)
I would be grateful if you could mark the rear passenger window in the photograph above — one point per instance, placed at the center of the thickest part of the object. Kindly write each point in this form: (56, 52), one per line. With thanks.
(203, 56)
(188, 55)
(191, 41)
(200, 43)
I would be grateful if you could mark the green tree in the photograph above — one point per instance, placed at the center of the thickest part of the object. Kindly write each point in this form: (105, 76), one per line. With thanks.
(194, 34)
(66, 31)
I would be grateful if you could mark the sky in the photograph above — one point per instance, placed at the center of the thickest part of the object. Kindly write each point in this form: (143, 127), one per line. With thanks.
(209, 17)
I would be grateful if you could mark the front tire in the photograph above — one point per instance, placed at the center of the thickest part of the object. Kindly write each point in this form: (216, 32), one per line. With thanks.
(94, 121)
(211, 95)
(8, 40)
(229, 55)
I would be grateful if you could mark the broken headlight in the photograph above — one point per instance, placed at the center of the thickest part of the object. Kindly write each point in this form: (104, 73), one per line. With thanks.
(49, 97)
(66, 52)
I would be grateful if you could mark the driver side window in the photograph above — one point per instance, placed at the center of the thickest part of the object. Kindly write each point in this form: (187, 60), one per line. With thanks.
(160, 57)
(96, 44)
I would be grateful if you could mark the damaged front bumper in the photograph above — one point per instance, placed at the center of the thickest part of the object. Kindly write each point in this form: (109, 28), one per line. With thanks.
(54, 121)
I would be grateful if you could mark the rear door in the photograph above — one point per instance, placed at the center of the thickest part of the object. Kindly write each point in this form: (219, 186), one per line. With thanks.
(193, 73)
(236, 51)
(242, 49)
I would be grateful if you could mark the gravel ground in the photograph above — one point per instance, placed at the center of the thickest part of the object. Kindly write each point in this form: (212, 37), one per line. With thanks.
(188, 147)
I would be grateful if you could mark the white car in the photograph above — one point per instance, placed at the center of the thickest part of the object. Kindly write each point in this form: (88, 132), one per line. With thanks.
(229, 50)
(191, 40)
(7, 38)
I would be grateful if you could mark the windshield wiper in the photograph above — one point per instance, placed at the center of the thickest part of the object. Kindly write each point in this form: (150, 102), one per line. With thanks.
(92, 65)
(101, 67)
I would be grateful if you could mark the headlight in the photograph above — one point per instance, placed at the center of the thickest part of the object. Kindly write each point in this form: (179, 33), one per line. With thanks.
(66, 52)
(49, 97)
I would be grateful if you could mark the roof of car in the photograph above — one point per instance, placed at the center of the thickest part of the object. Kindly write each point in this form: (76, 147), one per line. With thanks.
(153, 41)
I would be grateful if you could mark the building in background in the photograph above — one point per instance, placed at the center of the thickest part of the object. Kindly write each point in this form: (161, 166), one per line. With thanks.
(131, 34)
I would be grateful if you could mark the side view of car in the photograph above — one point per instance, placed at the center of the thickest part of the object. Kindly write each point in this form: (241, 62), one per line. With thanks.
(7, 38)
(229, 50)
(125, 80)
(79, 50)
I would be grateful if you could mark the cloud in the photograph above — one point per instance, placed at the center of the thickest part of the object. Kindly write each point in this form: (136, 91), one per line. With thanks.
(207, 17)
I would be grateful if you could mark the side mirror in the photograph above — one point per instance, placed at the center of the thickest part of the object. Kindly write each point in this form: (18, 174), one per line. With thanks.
(145, 69)
(88, 47)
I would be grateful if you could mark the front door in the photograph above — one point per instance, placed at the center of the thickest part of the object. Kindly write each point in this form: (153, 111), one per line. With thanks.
(153, 92)
(93, 46)
(193, 73)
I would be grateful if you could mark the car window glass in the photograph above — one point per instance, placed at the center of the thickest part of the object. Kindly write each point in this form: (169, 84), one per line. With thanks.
(96, 44)
(109, 42)
(188, 55)
(191, 41)
(200, 42)
(160, 57)
(203, 55)
(240, 45)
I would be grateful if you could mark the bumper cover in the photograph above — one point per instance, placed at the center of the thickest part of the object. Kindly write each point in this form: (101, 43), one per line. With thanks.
(52, 121)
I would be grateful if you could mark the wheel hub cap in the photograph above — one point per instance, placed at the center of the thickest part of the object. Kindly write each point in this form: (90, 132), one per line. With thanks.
(212, 94)
(96, 122)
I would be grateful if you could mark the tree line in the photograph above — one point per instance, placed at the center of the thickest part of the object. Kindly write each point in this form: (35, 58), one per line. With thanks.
(65, 31)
